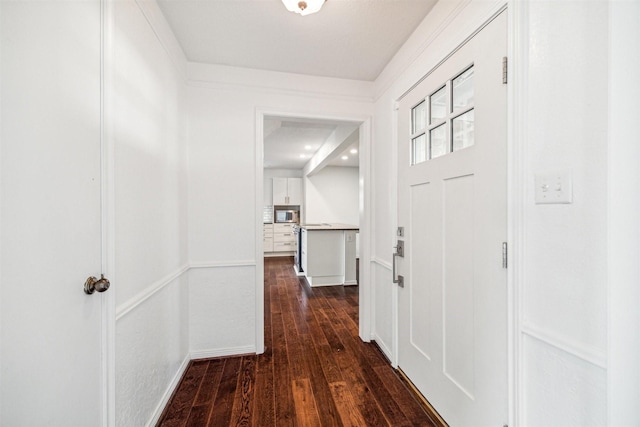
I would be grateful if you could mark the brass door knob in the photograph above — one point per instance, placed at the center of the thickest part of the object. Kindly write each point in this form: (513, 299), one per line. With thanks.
(92, 284)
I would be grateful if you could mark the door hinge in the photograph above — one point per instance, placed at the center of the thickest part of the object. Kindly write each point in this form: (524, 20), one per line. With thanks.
(504, 255)
(504, 70)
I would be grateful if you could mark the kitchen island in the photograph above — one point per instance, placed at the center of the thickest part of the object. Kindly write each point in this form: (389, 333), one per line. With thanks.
(328, 253)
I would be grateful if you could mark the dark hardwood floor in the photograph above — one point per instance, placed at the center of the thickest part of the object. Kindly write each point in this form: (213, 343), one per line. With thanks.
(315, 370)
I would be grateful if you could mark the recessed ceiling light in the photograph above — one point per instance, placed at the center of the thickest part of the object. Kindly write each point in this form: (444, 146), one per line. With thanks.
(345, 157)
(307, 147)
(353, 151)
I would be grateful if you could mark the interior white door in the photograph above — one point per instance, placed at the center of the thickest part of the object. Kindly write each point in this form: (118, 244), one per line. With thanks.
(51, 339)
(452, 315)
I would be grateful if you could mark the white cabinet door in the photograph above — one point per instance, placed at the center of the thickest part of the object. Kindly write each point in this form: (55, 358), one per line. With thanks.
(280, 191)
(284, 240)
(51, 346)
(267, 238)
(287, 191)
(294, 186)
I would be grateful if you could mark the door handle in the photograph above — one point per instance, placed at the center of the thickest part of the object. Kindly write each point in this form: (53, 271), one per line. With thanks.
(92, 284)
(398, 253)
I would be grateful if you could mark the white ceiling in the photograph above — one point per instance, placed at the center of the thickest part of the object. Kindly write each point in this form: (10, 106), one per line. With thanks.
(289, 143)
(351, 39)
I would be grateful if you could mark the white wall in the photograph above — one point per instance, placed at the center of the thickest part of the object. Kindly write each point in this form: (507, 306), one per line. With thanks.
(150, 217)
(267, 182)
(225, 206)
(332, 195)
(563, 330)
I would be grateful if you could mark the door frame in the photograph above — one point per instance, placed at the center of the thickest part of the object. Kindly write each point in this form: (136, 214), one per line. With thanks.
(107, 212)
(365, 298)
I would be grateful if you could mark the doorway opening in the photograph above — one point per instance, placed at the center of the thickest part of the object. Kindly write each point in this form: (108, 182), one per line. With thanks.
(324, 159)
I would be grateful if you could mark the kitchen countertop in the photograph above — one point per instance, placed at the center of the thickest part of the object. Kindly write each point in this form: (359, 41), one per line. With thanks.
(327, 226)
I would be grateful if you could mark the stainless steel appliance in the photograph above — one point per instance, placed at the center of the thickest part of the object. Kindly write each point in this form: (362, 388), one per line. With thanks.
(297, 256)
(289, 214)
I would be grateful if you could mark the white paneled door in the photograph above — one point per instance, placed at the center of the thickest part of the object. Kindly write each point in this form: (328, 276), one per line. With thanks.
(452, 316)
(52, 332)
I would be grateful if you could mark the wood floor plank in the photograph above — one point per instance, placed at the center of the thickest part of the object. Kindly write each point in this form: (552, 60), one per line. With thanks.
(264, 407)
(223, 404)
(305, 404)
(282, 377)
(244, 402)
(349, 412)
(182, 401)
(198, 416)
(406, 401)
(315, 370)
(210, 383)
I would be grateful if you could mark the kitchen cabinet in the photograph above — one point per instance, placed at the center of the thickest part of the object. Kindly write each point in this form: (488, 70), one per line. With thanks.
(267, 237)
(284, 240)
(328, 254)
(287, 191)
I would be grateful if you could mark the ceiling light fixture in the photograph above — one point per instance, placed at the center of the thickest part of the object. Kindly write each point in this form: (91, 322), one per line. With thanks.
(353, 151)
(303, 7)
(345, 158)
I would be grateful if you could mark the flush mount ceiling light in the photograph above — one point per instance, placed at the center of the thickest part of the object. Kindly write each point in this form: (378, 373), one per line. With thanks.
(303, 7)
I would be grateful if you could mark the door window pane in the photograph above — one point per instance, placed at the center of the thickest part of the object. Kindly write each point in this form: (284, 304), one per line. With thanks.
(462, 130)
(438, 106)
(438, 141)
(462, 88)
(419, 149)
(418, 117)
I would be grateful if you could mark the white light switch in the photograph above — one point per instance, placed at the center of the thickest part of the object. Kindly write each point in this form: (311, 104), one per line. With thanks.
(554, 187)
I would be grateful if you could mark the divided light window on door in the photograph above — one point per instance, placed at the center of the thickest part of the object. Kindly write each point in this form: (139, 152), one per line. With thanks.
(450, 123)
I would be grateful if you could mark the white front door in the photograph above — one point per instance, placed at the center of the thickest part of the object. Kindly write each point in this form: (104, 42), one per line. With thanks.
(452, 337)
(51, 340)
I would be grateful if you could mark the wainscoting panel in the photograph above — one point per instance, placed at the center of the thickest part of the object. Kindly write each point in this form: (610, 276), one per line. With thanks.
(383, 316)
(560, 388)
(222, 309)
(151, 346)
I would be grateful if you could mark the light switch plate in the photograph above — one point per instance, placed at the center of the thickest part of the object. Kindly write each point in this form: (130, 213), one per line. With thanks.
(554, 187)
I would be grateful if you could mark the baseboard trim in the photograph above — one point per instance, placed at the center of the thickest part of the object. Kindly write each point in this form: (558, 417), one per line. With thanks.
(428, 408)
(222, 352)
(168, 394)
(383, 348)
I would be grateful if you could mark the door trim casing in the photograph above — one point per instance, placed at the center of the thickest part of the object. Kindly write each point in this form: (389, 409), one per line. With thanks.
(366, 298)
(107, 212)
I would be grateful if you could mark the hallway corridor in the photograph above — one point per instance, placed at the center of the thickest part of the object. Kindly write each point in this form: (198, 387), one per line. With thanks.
(315, 370)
